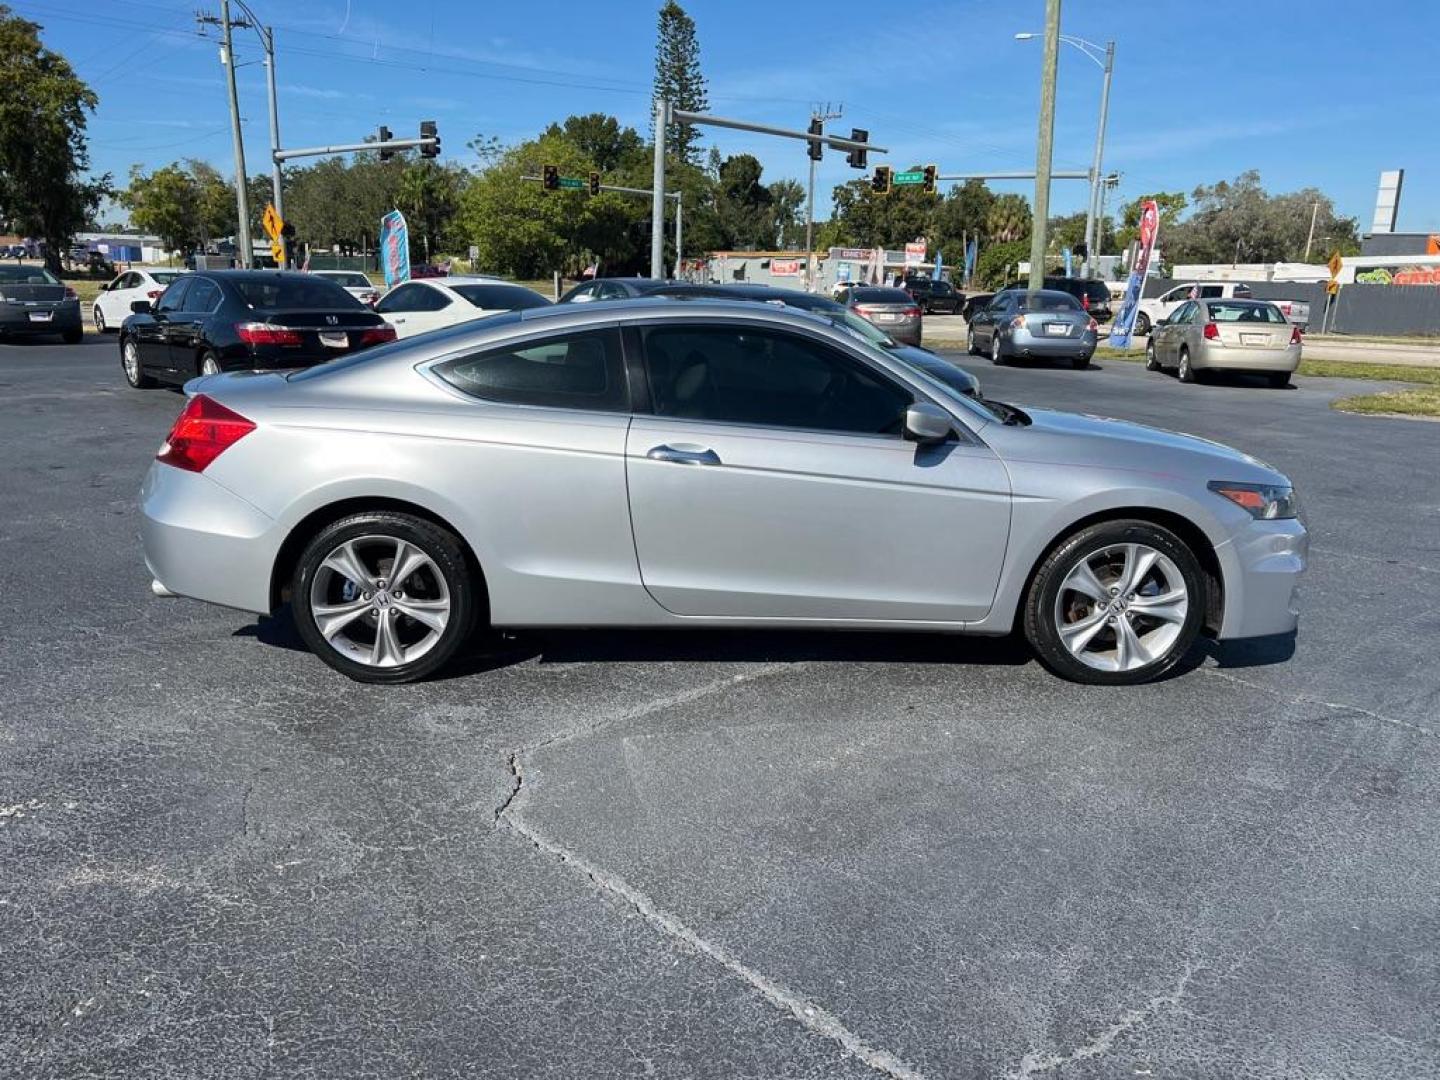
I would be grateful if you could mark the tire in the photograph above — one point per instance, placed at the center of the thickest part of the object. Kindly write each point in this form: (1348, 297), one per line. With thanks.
(997, 354)
(130, 365)
(1152, 360)
(98, 317)
(416, 645)
(1080, 363)
(970, 348)
(208, 364)
(73, 337)
(1186, 372)
(1279, 380)
(1142, 324)
(1160, 614)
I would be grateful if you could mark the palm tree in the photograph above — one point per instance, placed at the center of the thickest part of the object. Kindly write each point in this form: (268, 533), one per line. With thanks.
(1008, 219)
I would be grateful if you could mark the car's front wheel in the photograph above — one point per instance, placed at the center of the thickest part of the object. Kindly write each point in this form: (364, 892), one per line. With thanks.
(99, 317)
(1118, 603)
(384, 597)
(130, 364)
(1142, 324)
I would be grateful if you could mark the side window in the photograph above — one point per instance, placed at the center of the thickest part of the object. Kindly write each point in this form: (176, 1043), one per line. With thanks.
(202, 297)
(572, 371)
(124, 281)
(583, 295)
(404, 298)
(1210, 292)
(736, 374)
(174, 296)
(430, 299)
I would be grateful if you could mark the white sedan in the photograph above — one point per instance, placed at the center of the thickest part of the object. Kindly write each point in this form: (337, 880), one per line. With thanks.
(414, 307)
(112, 306)
(353, 282)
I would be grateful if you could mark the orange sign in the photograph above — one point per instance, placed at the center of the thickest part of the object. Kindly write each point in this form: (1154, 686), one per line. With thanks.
(1432, 246)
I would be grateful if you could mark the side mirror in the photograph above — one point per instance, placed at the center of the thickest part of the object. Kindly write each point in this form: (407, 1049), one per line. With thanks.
(1162, 322)
(927, 424)
(140, 307)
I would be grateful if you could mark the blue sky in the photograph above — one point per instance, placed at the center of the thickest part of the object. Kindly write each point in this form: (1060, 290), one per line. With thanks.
(1310, 92)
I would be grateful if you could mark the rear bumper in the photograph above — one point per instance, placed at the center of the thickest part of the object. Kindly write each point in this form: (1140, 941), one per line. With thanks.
(16, 320)
(1239, 358)
(1261, 566)
(1024, 343)
(203, 541)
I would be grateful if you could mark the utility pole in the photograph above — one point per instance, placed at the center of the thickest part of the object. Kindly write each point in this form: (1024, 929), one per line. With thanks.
(1044, 144)
(817, 121)
(1314, 210)
(267, 35)
(242, 200)
(657, 191)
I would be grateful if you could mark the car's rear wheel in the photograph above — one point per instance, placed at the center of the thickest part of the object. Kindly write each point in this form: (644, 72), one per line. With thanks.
(384, 597)
(1279, 379)
(1187, 372)
(997, 354)
(210, 363)
(1118, 603)
(1152, 359)
(1081, 363)
(130, 364)
(970, 341)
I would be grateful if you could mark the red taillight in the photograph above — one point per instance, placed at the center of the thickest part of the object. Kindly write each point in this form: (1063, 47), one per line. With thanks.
(1295, 337)
(1092, 325)
(259, 333)
(1212, 332)
(204, 430)
(154, 293)
(71, 294)
(1085, 302)
(1017, 323)
(865, 309)
(911, 313)
(374, 335)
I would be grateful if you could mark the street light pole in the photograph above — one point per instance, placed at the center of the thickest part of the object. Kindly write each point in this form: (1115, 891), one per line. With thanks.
(1044, 144)
(657, 188)
(1093, 228)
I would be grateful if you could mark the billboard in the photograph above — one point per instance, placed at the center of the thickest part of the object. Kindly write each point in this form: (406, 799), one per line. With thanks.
(1387, 201)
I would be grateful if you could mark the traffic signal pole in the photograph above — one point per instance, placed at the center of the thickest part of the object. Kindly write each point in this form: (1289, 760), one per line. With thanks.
(665, 115)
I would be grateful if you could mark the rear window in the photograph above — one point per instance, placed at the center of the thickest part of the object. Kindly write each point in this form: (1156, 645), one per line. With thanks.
(294, 292)
(1253, 312)
(880, 296)
(1097, 290)
(1046, 300)
(164, 277)
(506, 297)
(348, 280)
(26, 275)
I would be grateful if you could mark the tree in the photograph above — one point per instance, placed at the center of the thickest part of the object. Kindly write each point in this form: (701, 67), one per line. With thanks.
(429, 196)
(44, 108)
(678, 78)
(787, 212)
(1008, 219)
(167, 203)
(214, 201)
(1171, 205)
(601, 139)
(996, 263)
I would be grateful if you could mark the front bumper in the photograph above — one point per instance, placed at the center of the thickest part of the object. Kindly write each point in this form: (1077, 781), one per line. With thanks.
(203, 541)
(1261, 566)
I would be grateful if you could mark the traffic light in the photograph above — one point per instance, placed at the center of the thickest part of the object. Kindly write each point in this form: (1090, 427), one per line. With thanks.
(428, 130)
(550, 177)
(856, 158)
(931, 171)
(287, 237)
(880, 182)
(385, 137)
(816, 147)
(594, 183)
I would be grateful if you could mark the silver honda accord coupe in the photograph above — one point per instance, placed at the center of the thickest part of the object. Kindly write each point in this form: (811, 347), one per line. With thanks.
(710, 463)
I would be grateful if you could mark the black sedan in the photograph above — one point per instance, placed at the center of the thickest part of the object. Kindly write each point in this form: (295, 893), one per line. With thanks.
(231, 320)
(34, 302)
(956, 377)
(613, 289)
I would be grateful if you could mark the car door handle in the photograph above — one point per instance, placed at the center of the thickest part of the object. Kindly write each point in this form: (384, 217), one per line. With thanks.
(694, 455)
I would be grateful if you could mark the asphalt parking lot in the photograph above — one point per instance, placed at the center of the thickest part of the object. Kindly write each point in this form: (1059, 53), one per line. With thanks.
(715, 855)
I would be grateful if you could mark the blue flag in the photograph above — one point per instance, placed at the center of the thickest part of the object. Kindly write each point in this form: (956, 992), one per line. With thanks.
(394, 248)
(1069, 265)
(939, 270)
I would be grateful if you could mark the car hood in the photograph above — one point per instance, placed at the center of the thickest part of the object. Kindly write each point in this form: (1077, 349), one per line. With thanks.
(1083, 439)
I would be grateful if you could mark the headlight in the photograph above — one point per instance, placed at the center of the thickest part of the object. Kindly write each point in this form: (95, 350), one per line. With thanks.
(1264, 501)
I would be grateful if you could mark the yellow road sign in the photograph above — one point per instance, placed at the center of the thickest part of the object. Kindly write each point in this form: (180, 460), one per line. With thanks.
(1332, 287)
(1334, 264)
(277, 249)
(272, 222)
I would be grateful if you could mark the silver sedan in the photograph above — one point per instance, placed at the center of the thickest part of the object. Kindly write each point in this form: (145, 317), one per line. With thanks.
(712, 463)
(1225, 335)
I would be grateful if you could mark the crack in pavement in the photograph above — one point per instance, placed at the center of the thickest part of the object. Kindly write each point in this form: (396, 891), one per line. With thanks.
(1302, 699)
(811, 1016)
(1034, 1063)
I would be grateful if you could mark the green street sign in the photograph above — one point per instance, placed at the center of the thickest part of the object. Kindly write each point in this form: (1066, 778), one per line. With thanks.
(915, 177)
(573, 183)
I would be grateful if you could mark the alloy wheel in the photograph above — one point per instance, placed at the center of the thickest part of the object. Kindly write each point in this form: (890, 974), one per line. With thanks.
(1121, 607)
(1152, 362)
(99, 320)
(380, 601)
(130, 359)
(209, 365)
(996, 357)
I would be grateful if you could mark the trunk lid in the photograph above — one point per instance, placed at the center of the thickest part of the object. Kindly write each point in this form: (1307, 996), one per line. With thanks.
(324, 332)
